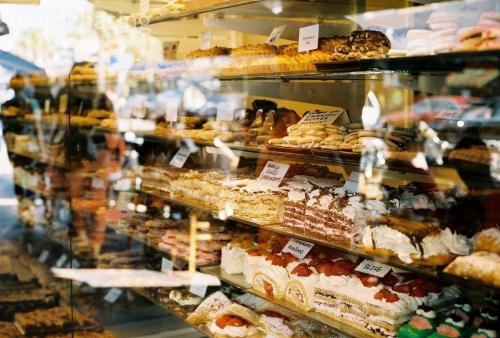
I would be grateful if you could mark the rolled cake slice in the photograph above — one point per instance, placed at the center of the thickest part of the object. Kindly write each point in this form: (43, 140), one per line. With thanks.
(300, 288)
(271, 282)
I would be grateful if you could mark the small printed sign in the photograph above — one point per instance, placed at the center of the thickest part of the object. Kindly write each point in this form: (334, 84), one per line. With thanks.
(273, 173)
(75, 264)
(225, 111)
(180, 157)
(198, 285)
(43, 256)
(298, 248)
(47, 106)
(373, 268)
(97, 183)
(60, 262)
(275, 35)
(172, 110)
(63, 103)
(352, 183)
(170, 50)
(327, 117)
(166, 265)
(308, 38)
(206, 40)
(113, 295)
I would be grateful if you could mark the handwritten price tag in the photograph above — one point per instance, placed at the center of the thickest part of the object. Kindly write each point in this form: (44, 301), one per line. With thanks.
(352, 183)
(113, 295)
(43, 256)
(273, 173)
(308, 38)
(275, 35)
(167, 265)
(373, 268)
(198, 285)
(327, 117)
(298, 248)
(180, 158)
(206, 40)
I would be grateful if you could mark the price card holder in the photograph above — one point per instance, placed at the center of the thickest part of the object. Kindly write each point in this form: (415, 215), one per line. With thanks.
(275, 35)
(225, 111)
(172, 110)
(298, 248)
(43, 256)
(327, 117)
(113, 295)
(273, 173)
(167, 265)
(373, 268)
(308, 38)
(206, 40)
(352, 183)
(198, 286)
(60, 262)
(180, 158)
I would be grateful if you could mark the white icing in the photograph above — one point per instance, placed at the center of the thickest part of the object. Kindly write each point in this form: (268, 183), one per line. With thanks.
(444, 243)
(451, 321)
(325, 201)
(427, 314)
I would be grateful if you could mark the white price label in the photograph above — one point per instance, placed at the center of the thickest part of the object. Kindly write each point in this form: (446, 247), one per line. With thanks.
(373, 268)
(167, 265)
(326, 117)
(198, 285)
(63, 103)
(180, 157)
(60, 262)
(206, 40)
(74, 264)
(43, 256)
(308, 38)
(275, 35)
(97, 183)
(352, 183)
(273, 173)
(172, 110)
(298, 248)
(113, 295)
(225, 111)
(170, 50)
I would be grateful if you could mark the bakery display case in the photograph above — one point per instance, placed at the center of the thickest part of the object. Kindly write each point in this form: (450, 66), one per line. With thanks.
(311, 169)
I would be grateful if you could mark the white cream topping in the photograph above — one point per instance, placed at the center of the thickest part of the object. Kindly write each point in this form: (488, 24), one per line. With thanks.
(233, 331)
(325, 201)
(445, 242)
(391, 239)
(427, 314)
(296, 196)
(451, 321)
